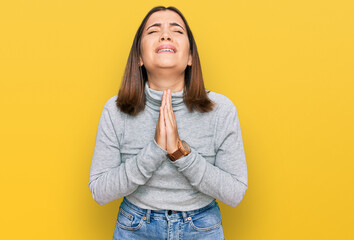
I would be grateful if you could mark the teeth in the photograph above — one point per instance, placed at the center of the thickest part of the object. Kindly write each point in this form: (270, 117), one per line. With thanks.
(165, 49)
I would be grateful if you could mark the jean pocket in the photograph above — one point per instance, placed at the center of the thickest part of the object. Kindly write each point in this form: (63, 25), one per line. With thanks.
(129, 220)
(207, 220)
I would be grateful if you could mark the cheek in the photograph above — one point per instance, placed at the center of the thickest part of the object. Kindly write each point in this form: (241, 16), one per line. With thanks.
(186, 50)
(185, 44)
(146, 48)
(142, 48)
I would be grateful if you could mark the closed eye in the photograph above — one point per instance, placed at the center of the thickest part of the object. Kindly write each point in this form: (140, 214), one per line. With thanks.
(155, 31)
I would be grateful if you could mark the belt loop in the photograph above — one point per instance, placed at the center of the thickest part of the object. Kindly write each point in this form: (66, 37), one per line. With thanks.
(148, 212)
(185, 217)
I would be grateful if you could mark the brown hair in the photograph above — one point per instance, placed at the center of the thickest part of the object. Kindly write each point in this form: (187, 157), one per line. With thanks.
(131, 96)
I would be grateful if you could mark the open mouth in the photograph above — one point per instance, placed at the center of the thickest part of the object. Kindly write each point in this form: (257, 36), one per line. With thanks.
(166, 49)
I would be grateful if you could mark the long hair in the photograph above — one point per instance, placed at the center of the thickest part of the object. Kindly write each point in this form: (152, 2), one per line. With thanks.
(131, 95)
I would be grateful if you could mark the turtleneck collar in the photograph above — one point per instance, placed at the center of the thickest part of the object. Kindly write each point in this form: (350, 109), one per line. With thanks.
(154, 98)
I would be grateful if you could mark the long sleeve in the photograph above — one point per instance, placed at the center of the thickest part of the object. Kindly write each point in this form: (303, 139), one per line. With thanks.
(110, 178)
(227, 181)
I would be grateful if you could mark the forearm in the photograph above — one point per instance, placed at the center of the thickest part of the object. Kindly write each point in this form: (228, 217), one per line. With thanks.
(112, 182)
(211, 180)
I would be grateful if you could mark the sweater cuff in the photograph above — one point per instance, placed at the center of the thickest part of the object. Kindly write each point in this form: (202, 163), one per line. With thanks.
(192, 166)
(183, 162)
(151, 158)
(160, 149)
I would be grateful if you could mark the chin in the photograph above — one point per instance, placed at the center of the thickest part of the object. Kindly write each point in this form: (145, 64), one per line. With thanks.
(167, 65)
(174, 67)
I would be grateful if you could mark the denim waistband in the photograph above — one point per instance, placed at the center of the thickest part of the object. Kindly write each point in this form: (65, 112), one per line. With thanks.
(167, 213)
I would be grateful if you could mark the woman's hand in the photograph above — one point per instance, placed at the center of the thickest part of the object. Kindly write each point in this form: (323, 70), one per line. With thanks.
(166, 134)
(171, 125)
(160, 133)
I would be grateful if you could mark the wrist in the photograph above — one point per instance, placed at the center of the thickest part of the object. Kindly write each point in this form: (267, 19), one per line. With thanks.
(182, 150)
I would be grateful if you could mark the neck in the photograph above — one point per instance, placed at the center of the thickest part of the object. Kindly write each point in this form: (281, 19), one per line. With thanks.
(154, 99)
(164, 80)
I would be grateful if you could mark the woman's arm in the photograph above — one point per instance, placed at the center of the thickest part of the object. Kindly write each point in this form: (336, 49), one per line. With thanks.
(111, 179)
(227, 181)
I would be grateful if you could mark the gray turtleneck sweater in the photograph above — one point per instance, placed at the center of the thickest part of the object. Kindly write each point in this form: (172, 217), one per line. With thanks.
(128, 162)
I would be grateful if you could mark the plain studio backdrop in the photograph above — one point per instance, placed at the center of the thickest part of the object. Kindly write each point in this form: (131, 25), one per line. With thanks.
(286, 65)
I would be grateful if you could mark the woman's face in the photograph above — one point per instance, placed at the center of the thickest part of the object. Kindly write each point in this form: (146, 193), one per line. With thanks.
(165, 30)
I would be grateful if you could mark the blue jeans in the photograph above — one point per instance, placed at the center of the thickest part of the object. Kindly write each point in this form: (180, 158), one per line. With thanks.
(137, 223)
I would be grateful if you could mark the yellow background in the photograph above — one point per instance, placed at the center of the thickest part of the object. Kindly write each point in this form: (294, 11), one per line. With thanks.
(286, 65)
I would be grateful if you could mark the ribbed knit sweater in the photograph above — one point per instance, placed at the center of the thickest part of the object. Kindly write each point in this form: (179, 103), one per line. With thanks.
(128, 162)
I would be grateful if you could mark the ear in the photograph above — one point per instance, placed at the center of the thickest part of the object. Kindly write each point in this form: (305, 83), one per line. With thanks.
(190, 59)
(141, 63)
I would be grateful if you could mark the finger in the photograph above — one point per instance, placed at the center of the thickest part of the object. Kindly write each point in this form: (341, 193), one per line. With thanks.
(167, 117)
(162, 108)
(161, 103)
(168, 100)
(171, 104)
(167, 105)
(170, 110)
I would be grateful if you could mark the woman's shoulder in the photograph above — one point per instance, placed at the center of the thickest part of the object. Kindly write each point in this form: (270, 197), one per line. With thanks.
(222, 101)
(111, 103)
(111, 106)
(225, 108)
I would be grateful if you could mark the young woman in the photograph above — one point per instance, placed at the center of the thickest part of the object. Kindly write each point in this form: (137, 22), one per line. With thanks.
(166, 145)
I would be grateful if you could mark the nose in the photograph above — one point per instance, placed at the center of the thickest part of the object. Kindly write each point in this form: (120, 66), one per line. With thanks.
(165, 36)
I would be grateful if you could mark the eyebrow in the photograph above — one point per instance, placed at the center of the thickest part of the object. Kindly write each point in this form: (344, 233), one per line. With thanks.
(159, 24)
